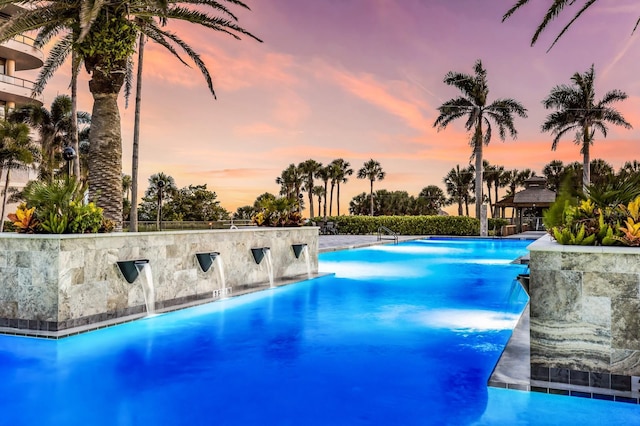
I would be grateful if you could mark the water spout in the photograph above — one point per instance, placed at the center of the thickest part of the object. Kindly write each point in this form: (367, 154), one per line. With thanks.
(221, 278)
(130, 270)
(299, 249)
(205, 260)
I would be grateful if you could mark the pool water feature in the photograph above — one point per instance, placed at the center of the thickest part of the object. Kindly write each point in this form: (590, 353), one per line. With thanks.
(401, 335)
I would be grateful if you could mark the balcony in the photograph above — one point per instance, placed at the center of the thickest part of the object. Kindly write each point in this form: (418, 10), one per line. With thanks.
(18, 90)
(20, 49)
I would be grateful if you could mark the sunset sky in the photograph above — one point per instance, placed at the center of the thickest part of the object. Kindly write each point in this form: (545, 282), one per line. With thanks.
(361, 79)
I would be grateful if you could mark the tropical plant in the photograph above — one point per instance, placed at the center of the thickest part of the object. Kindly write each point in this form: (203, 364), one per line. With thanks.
(631, 228)
(59, 207)
(308, 169)
(156, 193)
(472, 105)
(17, 151)
(281, 211)
(372, 170)
(319, 192)
(103, 35)
(54, 130)
(195, 203)
(341, 170)
(459, 184)
(578, 111)
(291, 181)
(555, 9)
(434, 198)
(244, 213)
(24, 220)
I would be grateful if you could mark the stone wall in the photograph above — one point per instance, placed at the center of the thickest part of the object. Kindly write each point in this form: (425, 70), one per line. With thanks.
(52, 283)
(585, 313)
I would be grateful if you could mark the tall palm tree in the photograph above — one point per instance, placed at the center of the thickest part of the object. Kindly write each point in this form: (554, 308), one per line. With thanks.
(342, 170)
(458, 183)
(489, 176)
(308, 169)
(54, 127)
(126, 186)
(555, 9)
(89, 29)
(472, 105)
(578, 111)
(133, 224)
(17, 151)
(371, 170)
(629, 168)
(499, 182)
(324, 174)
(319, 192)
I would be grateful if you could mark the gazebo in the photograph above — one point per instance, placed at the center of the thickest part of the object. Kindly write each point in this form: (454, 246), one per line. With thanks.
(535, 196)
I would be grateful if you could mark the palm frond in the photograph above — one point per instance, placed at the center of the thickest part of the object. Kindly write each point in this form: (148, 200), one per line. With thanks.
(57, 55)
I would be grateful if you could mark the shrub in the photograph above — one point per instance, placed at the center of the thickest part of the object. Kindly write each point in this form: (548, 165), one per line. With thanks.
(57, 208)
(407, 225)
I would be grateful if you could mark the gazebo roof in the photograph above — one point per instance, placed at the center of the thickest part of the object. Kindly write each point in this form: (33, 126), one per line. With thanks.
(534, 194)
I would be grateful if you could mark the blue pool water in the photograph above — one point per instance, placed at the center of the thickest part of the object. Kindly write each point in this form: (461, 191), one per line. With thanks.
(401, 335)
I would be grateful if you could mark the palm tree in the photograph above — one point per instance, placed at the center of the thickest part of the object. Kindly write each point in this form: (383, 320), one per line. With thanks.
(489, 176)
(499, 182)
(308, 169)
(161, 187)
(324, 174)
(54, 128)
(342, 169)
(434, 198)
(629, 168)
(90, 29)
(17, 151)
(473, 105)
(555, 9)
(577, 110)
(133, 224)
(554, 172)
(458, 184)
(126, 186)
(372, 171)
(601, 172)
(319, 192)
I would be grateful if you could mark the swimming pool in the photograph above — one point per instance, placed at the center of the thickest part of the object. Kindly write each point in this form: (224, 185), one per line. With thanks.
(401, 335)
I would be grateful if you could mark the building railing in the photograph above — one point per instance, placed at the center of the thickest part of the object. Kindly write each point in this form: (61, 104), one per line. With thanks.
(17, 81)
(24, 40)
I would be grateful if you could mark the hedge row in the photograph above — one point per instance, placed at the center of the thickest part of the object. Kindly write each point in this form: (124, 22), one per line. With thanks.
(406, 225)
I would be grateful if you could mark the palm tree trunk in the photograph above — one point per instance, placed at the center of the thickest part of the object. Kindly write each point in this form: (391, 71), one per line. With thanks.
(478, 155)
(75, 144)
(310, 197)
(105, 156)
(333, 185)
(371, 193)
(4, 198)
(489, 195)
(459, 206)
(319, 201)
(338, 198)
(133, 215)
(325, 199)
(586, 169)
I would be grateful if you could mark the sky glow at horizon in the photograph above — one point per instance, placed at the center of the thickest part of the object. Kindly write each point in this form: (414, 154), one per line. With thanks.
(361, 79)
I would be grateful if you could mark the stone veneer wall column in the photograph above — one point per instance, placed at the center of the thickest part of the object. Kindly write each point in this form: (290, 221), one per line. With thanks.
(57, 282)
(585, 314)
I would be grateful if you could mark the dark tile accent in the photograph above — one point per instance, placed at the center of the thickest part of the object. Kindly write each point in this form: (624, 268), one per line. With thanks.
(4, 322)
(559, 375)
(581, 394)
(539, 372)
(495, 384)
(602, 396)
(516, 386)
(600, 380)
(539, 389)
(53, 326)
(626, 399)
(13, 322)
(621, 383)
(558, 392)
(579, 378)
(23, 323)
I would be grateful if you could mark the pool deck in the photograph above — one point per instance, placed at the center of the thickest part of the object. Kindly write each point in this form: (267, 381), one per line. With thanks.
(513, 368)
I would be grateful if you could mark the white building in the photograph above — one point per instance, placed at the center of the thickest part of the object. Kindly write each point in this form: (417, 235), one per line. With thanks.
(17, 54)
